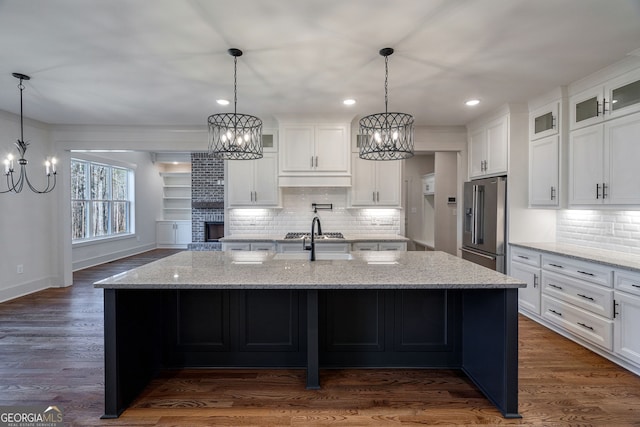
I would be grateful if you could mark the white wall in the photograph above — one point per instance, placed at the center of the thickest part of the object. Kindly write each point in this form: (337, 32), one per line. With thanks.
(29, 222)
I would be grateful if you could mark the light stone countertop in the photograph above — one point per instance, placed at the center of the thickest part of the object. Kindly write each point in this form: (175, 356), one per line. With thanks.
(584, 253)
(259, 270)
(348, 238)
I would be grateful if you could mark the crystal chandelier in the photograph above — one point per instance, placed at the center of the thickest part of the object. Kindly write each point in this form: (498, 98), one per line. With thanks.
(386, 136)
(16, 185)
(235, 136)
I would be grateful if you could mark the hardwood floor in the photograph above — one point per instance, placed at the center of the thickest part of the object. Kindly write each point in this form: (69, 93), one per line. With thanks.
(51, 352)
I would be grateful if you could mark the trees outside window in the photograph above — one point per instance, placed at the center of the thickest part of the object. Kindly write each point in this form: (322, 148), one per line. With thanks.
(101, 200)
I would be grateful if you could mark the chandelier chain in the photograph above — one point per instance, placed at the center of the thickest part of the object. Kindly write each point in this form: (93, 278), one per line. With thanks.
(235, 84)
(386, 83)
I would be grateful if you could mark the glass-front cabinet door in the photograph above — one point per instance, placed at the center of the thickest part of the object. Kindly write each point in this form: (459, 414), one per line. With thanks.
(586, 108)
(543, 122)
(622, 95)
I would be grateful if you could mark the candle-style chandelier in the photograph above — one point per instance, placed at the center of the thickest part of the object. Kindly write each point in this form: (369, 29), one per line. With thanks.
(235, 136)
(386, 136)
(14, 184)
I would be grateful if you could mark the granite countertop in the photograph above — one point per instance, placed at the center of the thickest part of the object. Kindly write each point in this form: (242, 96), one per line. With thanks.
(584, 253)
(348, 238)
(265, 270)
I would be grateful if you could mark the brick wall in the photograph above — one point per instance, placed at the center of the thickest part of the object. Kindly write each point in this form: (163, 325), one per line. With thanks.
(207, 193)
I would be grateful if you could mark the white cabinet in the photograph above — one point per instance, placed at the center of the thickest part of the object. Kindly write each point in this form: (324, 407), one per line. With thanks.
(525, 266)
(248, 246)
(488, 148)
(253, 182)
(544, 172)
(176, 195)
(617, 97)
(333, 247)
(429, 184)
(627, 315)
(375, 183)
(379, 246)
(603, 166)
(173, 234)
(544, 121)
(315, 151)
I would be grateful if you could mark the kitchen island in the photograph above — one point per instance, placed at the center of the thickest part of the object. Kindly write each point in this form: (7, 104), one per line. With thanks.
(266, 309)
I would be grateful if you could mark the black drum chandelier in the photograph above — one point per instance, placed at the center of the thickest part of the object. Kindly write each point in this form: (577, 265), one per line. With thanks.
(386, 136)
(235, 136)
(14, 184)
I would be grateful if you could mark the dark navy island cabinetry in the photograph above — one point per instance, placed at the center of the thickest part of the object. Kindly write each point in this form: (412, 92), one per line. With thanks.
(398, 309)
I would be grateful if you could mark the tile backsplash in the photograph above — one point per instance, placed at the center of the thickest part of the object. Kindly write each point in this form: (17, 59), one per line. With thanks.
(297, 213)
(611, 230)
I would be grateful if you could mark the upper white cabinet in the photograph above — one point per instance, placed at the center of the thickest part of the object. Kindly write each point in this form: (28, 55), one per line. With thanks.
(544, 121)
(544, 172)
(603, 166)
(488, 148)
(253, 182)
(618, 97)
(376, 183)
(309, 151)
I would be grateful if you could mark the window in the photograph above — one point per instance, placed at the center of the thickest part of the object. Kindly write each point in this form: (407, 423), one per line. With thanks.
(101, 200)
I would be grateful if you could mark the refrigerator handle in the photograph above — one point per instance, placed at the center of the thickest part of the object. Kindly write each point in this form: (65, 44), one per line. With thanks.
(474, 213)
(477, 235)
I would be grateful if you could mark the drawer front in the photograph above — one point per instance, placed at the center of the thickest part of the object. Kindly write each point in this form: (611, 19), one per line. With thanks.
(263, 246)
(593, 298)
(594, 273)
(392, 246)
(587, 326)
(627, 281)
(236, 246)
(365, 246)
(525, 256)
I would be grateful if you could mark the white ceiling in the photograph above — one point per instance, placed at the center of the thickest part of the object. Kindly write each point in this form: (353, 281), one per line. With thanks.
(136, 62)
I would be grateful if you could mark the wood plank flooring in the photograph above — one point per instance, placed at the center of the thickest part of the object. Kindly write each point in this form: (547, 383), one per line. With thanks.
(51, 352)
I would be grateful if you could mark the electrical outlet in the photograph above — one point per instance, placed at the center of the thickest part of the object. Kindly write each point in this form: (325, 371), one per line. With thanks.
(20, 269)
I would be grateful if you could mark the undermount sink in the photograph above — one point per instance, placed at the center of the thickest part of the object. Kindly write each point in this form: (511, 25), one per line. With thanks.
(320, 256)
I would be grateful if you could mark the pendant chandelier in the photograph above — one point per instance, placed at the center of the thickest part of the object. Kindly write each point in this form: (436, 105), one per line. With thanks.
(386, 136)
(14, 184)
(235, 136)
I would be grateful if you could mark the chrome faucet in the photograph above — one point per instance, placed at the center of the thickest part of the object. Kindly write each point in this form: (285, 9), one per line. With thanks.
(312, 248)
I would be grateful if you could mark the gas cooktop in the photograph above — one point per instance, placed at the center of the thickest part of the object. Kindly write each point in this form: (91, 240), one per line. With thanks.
(300, 235)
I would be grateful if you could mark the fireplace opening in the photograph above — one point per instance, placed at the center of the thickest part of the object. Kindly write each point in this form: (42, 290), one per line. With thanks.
(213, 231)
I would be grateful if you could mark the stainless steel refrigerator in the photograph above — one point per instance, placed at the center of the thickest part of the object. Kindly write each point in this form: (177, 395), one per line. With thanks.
(484, 228)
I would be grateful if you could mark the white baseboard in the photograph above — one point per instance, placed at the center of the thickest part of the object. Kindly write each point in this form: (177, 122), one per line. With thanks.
(27, 288)
(104, 258)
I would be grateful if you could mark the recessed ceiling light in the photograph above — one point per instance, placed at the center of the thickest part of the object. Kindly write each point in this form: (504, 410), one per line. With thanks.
(349, 101)
(472, 102)
(222, 101)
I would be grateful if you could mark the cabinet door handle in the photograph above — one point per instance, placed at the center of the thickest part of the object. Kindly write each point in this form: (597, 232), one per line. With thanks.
(555, 265)
(373, 193)
(555, 286)
(555, 312)
(635, 286)
(255, 196)
(587, 274)
(585, 326)
(615, 306)
(604, 190)
(597, 191)
(535, 280)
(316, 161)
(604, 106)
(586, 297)
(553, 193)
(377, 196)
(523, 257)
(553, 121)
(311, 161)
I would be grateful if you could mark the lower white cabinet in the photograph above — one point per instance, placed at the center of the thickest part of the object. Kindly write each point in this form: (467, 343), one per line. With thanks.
(248, 246)
(173, 234)
(627, 315)
(525, 266)
(594, 304)
(379, 246)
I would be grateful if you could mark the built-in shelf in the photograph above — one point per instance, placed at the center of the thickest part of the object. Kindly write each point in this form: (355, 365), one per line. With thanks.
(176, 198)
